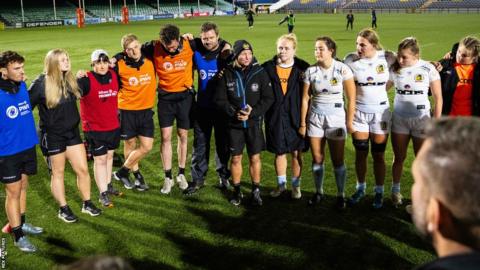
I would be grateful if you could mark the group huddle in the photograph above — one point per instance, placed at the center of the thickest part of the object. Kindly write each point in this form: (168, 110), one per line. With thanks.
(284, 105)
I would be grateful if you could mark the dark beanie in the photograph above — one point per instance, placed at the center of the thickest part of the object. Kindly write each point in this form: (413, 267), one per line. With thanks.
(240, 46)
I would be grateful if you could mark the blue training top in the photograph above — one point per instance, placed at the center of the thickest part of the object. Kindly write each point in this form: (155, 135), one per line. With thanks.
(206, 70)
(17, 127)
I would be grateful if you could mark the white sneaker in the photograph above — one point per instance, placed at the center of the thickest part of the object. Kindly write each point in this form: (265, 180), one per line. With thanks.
(408, 208)
(182, 182)
(278, 191)
(167, 185)
(397, 199)
(296, 193)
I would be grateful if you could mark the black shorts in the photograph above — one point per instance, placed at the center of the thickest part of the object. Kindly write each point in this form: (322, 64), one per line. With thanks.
(173, 106)
(136, 123)
(52, 144)
(12, 167)
(99, 142)
(251, 136)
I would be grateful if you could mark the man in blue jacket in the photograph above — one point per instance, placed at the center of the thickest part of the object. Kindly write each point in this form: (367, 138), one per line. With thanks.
(211, 55)
(17, 146)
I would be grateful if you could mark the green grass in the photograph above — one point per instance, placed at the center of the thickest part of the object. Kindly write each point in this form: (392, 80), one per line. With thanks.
(155, 231)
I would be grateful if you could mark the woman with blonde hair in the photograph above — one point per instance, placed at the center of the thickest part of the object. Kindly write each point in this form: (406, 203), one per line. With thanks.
(460, 78)
(282, 120)
(56, 92)
(412, 78)
(370, 65)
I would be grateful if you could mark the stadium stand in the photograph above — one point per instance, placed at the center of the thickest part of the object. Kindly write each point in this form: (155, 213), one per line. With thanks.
(455, 4)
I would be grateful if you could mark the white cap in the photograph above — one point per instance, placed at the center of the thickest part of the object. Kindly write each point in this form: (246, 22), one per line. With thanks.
(96, 55)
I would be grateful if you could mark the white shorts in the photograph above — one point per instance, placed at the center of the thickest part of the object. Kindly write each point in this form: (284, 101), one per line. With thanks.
(414, 126)
(330, 126)
(377, 123)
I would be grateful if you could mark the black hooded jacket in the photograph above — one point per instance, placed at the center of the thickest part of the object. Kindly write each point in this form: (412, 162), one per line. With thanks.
(63, 118)
(282, 120)
(237, 87)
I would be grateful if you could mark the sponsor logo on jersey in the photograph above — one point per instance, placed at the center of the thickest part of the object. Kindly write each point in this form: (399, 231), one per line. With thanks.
(12, 112)
(407, 86)
(203, 74)
(369, 79)
(324, 91)
(334, 81)
(167, 66)
(380, 69)
(133, 81)
(254, 87)
(419, 78)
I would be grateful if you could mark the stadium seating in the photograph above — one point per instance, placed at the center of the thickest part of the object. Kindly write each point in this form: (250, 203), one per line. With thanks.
(387, 4)
(455, 4)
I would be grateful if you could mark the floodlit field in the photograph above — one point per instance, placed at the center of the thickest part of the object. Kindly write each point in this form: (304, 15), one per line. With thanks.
(204, 231)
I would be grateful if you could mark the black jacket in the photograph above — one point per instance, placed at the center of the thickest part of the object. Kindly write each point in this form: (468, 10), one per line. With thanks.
(58, 120)
(468, 261)
(236, 87)
(282, 120)
(449, 78)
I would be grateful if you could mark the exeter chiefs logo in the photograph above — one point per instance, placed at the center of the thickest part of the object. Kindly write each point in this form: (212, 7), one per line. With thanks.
(133, 81)
(334, 81)
(167, 66)
(380, 69)
(419, 78)
(12, 112)
(203, 74)
(254, 87)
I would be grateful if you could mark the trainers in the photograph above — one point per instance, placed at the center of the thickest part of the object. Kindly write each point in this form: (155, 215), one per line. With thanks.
(316, 199)
(66, 214)
(255, 198)
(296, 193)
(7, 229)
(24, 245)
(125, 180)
(397, 199)
(378, 200)
(140, 184)
(237, 198)
(356, 197)
(182, 182)
(223, 184)
(89, 208)
(409, 209)
(113, 191)
(340, 204)
(26, 228)
(167, 186)
(30, 229)
(193, 187)
(104, 200)
(278, 191)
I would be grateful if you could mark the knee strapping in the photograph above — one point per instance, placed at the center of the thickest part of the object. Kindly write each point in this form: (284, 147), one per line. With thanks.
(360, 145)
(378, 147)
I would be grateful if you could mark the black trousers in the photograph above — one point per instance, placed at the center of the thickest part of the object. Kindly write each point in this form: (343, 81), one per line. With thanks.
(206, 121)
(350, 23)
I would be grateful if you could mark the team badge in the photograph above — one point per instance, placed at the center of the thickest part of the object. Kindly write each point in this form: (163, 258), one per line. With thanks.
(133, 81)
(246, 46)
(380, 69)
(334, 81)
(419, 78)
(167, 66)
(254, 87)
(12, 112)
